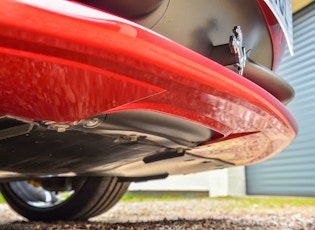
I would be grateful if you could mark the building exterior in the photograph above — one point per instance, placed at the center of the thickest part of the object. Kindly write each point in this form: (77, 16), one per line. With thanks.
(292, 172)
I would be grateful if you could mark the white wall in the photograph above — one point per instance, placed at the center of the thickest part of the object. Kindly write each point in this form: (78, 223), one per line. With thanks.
(222, 182)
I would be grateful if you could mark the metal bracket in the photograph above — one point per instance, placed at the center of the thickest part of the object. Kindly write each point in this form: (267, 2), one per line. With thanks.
(232, 53)
(236, 48)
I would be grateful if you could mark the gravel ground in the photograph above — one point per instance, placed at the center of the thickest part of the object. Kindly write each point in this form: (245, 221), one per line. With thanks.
(183, 214)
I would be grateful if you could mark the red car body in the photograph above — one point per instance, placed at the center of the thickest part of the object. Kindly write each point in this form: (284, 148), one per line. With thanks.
(60, 69)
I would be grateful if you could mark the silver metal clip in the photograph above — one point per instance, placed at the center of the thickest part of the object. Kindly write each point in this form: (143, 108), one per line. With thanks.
(236, 48)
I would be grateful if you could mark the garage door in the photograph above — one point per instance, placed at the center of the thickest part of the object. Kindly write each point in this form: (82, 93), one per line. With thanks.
(292, 172)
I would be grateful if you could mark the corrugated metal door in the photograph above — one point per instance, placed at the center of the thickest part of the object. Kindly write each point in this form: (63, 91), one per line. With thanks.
(292, 172)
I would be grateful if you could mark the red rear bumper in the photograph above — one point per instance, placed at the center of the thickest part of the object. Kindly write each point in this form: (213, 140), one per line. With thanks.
(65, 68)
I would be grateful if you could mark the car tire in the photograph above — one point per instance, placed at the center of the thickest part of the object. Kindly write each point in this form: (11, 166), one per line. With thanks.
(91, 197)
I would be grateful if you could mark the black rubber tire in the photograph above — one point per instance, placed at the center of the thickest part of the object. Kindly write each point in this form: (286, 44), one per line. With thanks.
(92, 196)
